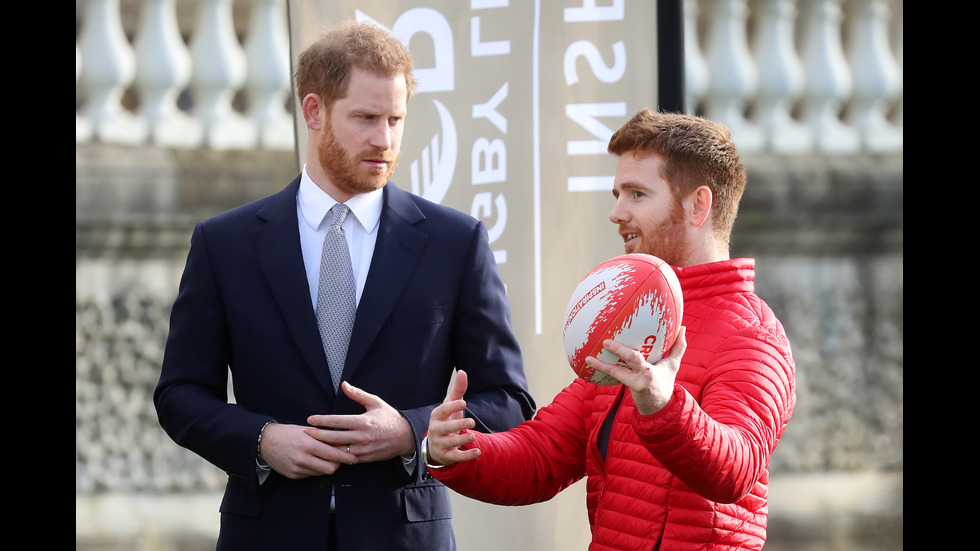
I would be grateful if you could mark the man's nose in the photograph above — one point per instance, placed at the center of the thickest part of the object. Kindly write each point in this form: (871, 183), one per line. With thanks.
(618, 214)
(382, 136)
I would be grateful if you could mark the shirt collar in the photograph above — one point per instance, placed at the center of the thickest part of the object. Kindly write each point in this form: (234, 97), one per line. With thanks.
(315, 203)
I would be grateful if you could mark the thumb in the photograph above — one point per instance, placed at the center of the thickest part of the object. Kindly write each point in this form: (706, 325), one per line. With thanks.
(680, 344)
(458, 389)
(673, 359)
(360, 396)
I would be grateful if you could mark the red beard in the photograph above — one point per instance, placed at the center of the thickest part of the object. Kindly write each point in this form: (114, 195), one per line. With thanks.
(346, 172)
(666, 241)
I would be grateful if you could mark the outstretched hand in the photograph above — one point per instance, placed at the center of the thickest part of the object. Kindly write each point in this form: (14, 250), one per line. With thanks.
(380, 433)
(448, 426)
(652, 385)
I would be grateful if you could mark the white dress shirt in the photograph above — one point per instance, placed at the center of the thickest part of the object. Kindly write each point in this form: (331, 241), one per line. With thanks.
(361, 230)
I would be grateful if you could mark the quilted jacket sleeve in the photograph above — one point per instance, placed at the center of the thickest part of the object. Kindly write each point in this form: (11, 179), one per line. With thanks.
(530, 463)
(721, 447)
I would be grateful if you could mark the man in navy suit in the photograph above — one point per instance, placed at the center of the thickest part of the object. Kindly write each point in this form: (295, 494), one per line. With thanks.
(312, 462)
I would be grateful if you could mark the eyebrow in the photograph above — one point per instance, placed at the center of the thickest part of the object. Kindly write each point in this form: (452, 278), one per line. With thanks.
(629, 186)
(359, 111)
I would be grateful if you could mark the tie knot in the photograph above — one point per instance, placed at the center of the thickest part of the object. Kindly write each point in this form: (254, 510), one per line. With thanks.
(338, 214)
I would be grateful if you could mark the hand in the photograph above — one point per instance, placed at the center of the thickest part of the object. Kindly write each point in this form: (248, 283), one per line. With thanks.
(651, 385)
(290, 451)
(446, 423)
(380, 433)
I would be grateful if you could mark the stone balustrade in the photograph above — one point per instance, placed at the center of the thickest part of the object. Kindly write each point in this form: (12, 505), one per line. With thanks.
(788, 76)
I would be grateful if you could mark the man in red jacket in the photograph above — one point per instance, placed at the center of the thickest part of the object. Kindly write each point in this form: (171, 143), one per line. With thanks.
(677, 456)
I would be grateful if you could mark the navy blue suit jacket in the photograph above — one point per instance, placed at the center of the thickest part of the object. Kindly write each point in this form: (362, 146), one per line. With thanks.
(433, 301)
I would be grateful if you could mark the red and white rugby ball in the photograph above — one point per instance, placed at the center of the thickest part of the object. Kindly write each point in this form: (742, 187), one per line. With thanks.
(634, 299)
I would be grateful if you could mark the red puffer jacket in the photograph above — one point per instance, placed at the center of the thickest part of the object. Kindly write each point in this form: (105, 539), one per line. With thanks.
(692, 476)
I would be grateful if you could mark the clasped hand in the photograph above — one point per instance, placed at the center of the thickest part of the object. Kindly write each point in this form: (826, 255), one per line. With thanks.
(380, 433)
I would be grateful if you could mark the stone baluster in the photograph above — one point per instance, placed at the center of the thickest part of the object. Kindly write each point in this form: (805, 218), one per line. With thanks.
(876, 78)
(163, 71)
(83, 127)
(268, 84)
(695, 66)
(734, 80)
(107, 71)
(851, 97)
(780, 78)
(218, 72)
(898, 23)
(828, 79)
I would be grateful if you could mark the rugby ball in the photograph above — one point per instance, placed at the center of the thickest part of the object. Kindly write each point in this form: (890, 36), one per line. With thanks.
(634, 299)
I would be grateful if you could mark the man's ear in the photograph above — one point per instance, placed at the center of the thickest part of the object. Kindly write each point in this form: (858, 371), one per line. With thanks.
(700, 205)
(314, 111)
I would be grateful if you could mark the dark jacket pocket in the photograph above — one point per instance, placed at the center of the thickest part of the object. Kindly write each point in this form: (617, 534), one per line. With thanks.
(427, 502)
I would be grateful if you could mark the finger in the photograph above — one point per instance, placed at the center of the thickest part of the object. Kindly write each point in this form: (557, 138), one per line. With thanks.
(360, 396)
(447, 450)
(317, 466)
(334, 437)
(343, 454)
(616, 371)
(457, 455)
(680, 344)
(459, 387)
(336, 449)
(672, 361)
(626, 369)
(627, 354)
(328, 435)
(296, 472)
(446, 410)
(311, 458)
(455, 426)
(336, 422)
(450, 441)
(328, 465)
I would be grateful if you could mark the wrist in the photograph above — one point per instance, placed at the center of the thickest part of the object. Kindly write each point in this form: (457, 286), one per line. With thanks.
(258, 444)
(426, 458)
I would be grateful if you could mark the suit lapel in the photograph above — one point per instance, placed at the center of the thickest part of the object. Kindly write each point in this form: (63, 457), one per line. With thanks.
(398, 249)
(278, 248)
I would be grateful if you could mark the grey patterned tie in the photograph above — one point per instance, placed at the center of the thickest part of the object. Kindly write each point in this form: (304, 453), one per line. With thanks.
(336, 302)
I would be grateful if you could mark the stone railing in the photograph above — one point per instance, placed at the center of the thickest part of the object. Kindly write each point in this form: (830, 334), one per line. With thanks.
(788, 76)
(213, 67)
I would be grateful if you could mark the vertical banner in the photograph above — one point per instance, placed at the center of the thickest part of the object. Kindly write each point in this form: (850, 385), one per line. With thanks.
(515, 104)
